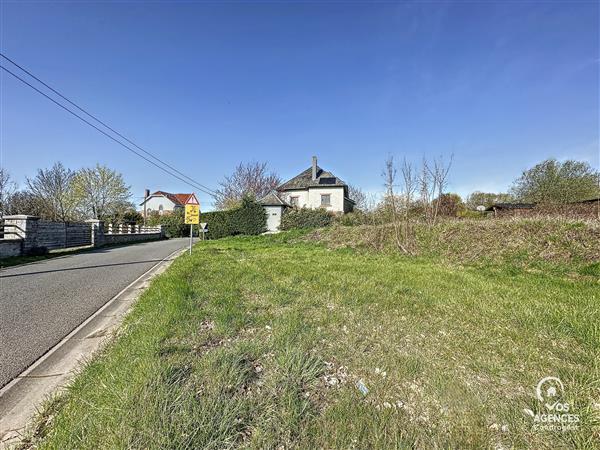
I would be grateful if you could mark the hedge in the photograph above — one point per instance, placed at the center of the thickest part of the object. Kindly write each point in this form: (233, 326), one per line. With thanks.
(172, 223)
(249, 218)
(306, 218)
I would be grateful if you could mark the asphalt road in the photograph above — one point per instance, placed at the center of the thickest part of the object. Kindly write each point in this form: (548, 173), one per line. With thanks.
(42, 302)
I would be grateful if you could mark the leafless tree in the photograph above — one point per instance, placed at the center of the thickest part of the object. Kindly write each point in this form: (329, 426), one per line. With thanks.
(360, 198)
(433, 180)
(253, 179)
(24, 202)
(409, 188)
(7, 189)
(390, 173)
(55, 187)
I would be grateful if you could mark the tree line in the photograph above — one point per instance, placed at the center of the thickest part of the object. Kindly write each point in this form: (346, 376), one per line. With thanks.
(62, 194)
(424, 186)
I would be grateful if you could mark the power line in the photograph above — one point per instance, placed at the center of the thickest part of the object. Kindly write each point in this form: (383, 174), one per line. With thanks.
(193, 182)
(101, 122)
(104, 132)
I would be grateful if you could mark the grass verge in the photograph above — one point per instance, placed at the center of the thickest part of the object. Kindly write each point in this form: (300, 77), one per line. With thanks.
(260, 343)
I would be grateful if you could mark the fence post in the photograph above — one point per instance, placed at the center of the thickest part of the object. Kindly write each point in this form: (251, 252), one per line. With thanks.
(22, 227)
(97, 229)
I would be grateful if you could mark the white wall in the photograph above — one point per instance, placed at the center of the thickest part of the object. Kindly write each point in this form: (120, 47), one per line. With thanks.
(302, 197)
(337, 198)
(153, 204)
(311, 198)
(273, 217)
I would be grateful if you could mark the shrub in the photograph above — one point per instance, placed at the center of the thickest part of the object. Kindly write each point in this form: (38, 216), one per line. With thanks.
(355, 218)
(172, 223)
(306, 218)
(450, 205)
(249, 219)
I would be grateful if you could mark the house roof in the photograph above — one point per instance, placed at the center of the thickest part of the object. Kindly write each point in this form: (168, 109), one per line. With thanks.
(510, 206)
(178, 199)
(304, 180)
(272, 199)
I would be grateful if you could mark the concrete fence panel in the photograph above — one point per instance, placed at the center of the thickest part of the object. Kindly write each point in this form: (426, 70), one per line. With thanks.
(22, 234)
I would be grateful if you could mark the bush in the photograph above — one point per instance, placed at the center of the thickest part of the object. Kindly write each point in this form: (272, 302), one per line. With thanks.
(172, 223)
(355, 218)
(306, 218)
(248, 219)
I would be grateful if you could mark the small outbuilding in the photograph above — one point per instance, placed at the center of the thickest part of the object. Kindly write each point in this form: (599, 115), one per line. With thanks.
(274, 207)
(500, 208)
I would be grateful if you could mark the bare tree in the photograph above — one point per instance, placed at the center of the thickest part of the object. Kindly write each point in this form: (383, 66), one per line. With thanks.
(390, 172)
(433, 180)
(360, 198)
(7, 190)
(253, 179)
(101, 192)
(409, 188)
(55, 187)
(24, 202)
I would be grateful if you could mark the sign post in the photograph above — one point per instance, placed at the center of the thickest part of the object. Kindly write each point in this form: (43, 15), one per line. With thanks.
(192, 217)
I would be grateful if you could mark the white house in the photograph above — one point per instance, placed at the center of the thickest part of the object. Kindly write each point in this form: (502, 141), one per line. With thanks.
(166, 202)
(312, 188)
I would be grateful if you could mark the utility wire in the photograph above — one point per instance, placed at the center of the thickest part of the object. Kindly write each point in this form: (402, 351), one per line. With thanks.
(193, 184)
(103, 123)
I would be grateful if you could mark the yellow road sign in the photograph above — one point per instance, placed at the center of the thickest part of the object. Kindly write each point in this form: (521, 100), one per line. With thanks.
(192, 214)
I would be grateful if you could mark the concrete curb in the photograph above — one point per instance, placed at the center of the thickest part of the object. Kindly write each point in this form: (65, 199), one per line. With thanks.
(22, 397)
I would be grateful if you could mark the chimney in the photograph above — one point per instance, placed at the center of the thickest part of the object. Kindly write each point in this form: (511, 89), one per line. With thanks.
(314, 168)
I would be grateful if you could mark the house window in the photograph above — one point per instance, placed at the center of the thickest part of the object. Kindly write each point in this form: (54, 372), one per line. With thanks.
(160, 209)
(325, 199)
(294, 201)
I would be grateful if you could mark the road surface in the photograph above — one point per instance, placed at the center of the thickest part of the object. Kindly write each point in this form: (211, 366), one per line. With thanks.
(42, 302)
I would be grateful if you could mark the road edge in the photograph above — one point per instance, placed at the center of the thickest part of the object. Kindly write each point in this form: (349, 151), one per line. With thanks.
(22, 397)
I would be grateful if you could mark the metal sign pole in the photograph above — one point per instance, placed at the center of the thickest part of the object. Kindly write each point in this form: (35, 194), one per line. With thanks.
(191, 226)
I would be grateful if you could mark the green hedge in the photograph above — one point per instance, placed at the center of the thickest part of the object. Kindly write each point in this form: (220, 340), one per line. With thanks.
(306, 218)
(249, 219)
(172, 223)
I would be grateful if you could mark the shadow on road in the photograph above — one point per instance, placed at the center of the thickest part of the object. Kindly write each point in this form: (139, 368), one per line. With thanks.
(81, 268)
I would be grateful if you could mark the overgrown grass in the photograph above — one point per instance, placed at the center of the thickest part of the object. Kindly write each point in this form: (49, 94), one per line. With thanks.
(560, 246)
(260, 342)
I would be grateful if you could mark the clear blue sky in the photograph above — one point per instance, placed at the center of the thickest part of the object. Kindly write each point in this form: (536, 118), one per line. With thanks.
(502, 85)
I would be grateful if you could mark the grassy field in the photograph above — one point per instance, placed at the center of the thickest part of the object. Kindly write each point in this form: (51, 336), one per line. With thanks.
(263, 342)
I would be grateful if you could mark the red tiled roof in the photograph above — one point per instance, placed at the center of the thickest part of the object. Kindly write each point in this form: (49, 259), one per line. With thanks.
(178, 199)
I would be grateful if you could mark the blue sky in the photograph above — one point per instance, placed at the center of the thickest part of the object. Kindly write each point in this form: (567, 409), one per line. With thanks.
(501, 85)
